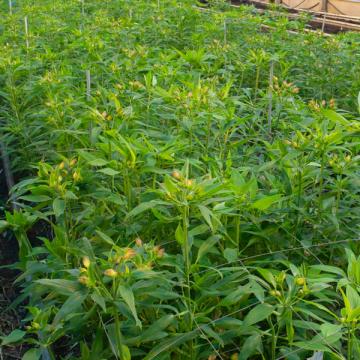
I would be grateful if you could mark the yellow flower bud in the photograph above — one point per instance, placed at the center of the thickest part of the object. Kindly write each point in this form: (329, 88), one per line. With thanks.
(86, 262)
(300, 281)
(111, 273)
(84, 280)
(176, 174)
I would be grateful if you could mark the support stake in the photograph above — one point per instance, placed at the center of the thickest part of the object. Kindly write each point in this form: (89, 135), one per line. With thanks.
(271, 83)
(26, 31)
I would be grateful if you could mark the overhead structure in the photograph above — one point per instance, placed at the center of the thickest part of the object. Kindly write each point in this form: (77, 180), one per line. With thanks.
(349, 8)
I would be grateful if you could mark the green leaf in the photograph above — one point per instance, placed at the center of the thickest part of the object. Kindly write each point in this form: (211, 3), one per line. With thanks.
(61, 286)
(266, 202)
(128, 296)
(315, 345)
(35, 198)
(207, 215)
(251, 346)
(105, 237)
(353, 297)
(170, 344)
(58, 207)
(14, 337)
(258, 313)
(180, 234)
(98, 299)
(335, 117)
(3, 225)
(268, 276)
(71, 305)
(32, 354)
(98, 162)
(145, 206)
(206, 246)
(230, 255)
(108, 171)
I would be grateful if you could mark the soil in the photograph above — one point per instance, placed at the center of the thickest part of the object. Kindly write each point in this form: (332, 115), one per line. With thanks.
(9, 319)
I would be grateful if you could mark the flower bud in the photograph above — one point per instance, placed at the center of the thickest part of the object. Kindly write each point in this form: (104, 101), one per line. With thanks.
(86, 262)
(138, 242)
(111, 273)
(176, 174)
(84, 280)
(300, 281)
(129, 254)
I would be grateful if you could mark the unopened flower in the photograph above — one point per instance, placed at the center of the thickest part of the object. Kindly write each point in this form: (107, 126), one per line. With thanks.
(188, 182)
(61, 165)
(138, 242)
(159, 252)
(76, 176)
(176, 174)
(84, 280)
(111, 273)
(300, 281)
(73, 162)
(129, 254)
(86, 262)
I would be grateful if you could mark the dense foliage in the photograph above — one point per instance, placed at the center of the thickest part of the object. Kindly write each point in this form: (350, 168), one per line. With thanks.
(187, 181)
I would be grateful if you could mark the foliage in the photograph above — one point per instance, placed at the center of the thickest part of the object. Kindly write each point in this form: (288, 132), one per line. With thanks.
(195, 205)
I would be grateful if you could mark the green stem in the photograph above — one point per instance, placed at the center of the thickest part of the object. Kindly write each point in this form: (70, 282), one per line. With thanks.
(186, 251)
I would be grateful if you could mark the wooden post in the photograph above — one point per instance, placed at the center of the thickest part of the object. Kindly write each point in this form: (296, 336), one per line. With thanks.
(324, 5)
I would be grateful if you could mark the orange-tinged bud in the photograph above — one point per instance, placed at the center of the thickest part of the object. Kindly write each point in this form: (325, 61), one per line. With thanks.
(138, 242)
(159, 252)
(129, 254)
(111, 273)
(73, 162)
(176, 174)
(84, 280)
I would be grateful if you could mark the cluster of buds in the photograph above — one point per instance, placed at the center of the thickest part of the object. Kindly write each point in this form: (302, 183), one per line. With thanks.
(184, 181)
(284, 87)
(316, 106)
(300, 281)
(34, 326)
(106, 116)
(293, 144)
(136, 85)
(337, 164)
(187, 185)
(86, 263)
(59, 174)
(275, 293)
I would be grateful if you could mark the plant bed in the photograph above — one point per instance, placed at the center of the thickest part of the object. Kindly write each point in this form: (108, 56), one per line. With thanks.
(187, 185)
